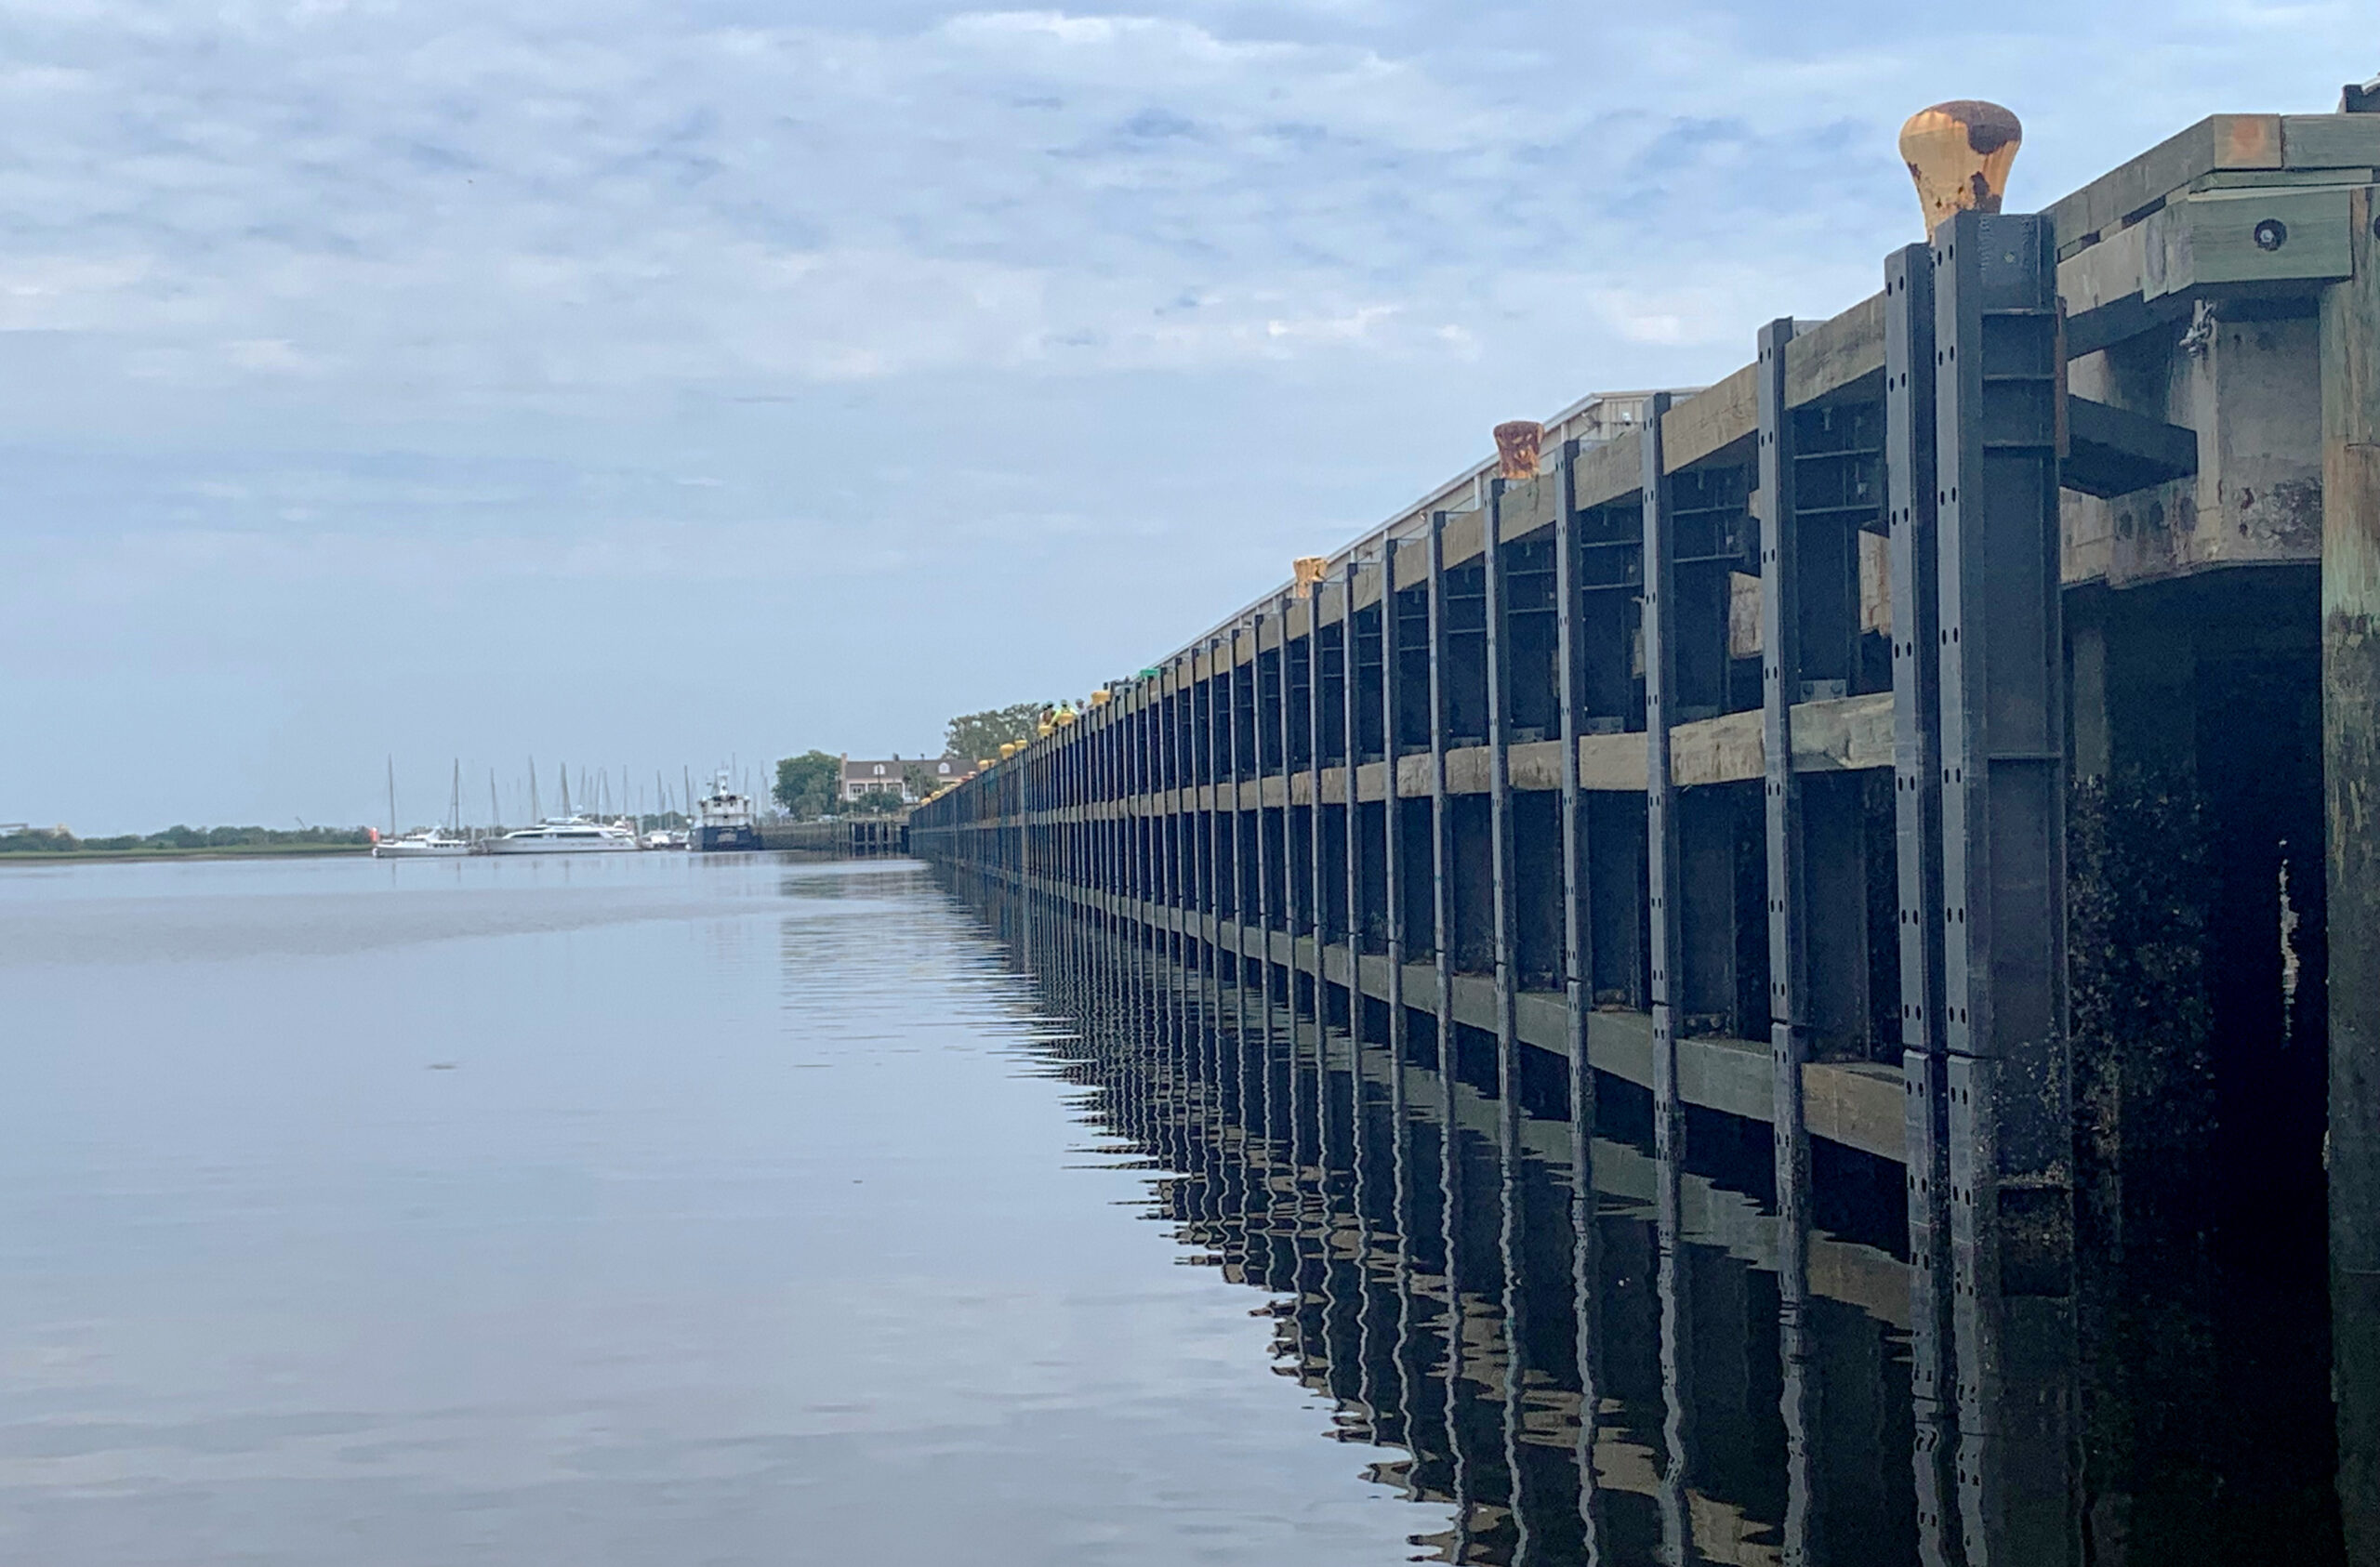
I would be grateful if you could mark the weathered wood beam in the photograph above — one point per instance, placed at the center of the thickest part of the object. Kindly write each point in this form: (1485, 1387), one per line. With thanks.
(2002, 709)
(2129, 192)
(2113, 451)
(2351, 348)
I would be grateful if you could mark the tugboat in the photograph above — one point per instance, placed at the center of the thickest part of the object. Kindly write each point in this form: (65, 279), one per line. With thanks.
(723, 822)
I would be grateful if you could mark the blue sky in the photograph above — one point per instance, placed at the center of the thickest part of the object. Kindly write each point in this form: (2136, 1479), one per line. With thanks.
(640, 386)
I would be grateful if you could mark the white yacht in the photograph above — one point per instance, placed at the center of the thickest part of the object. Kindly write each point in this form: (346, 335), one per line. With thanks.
(422, 843)
(573, 835)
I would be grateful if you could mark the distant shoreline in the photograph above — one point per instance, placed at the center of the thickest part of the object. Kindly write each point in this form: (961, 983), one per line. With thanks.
(220, 851)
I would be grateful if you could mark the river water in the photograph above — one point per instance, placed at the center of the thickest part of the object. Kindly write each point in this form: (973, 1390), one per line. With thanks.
(640, 1209)
(669, 1209)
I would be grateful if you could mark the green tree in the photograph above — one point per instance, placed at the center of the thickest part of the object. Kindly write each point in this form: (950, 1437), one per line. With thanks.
(808, 784)
(920, 779)
(974, 737)
(877, 802)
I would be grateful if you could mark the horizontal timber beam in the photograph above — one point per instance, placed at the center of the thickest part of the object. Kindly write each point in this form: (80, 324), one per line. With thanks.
(1856, 1105)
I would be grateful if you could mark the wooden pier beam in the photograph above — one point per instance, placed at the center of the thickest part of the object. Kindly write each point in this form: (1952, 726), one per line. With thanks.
(1660, 794)
(1294, 878)
(2351, 348)
(1165, 825)
(1790, 978)
(2004, 824)
(1351, 814)
(1231, 684)
(1665, 882)
(1569, 693)
(1402, 1181)
(1441, 827)
(1207, 844)
(1503, 936)
(1513, 1215)
(1394, 872)
(1917, 806)
(1578, 999)
(1317, 893)
(1451, 1194)
(1199, 881)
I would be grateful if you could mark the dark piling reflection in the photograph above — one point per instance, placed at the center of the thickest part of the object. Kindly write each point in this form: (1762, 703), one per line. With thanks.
(1592, 1344)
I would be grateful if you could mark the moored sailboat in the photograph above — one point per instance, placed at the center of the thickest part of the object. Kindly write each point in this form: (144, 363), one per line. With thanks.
(423, 843)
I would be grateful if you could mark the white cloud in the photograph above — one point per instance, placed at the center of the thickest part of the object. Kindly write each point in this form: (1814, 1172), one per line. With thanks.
(272, 355)
(1022, 301)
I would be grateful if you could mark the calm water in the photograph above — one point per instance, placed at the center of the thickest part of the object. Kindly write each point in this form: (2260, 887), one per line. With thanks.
(656, 1210)
(647, 1210)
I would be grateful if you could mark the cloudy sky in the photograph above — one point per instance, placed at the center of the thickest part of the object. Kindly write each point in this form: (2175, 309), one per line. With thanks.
(648, 384)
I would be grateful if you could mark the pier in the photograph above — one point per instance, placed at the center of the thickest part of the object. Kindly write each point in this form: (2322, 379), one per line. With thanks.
(849, 838)
(1945, 749)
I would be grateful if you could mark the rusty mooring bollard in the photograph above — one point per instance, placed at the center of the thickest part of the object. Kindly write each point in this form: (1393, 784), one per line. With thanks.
(1516, 444)
(1958, 154)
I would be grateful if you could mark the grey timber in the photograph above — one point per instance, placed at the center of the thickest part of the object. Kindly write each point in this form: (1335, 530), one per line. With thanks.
(860, 837)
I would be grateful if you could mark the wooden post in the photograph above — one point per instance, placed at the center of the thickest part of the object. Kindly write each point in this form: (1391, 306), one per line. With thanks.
(1230, 780)
(1409, 1375)
(1514, 1218)
(1318, 903)
(2350, 347)
(1504, 917)
(1788, 944)
(1441, 835)
(1391, 806)
(1451, 1193)
(1664, 885)
(2003, 871)
(1294, 876)
(1917, 806)
(1351, 852)
(1578, 995)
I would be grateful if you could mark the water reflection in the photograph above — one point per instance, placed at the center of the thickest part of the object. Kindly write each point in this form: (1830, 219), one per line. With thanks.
(1590, 1346)
(672, 1209)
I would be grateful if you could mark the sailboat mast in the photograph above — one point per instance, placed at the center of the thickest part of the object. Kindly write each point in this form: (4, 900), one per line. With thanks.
(494, 811)
(454, 802)
(392, 794)
(535, 815)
